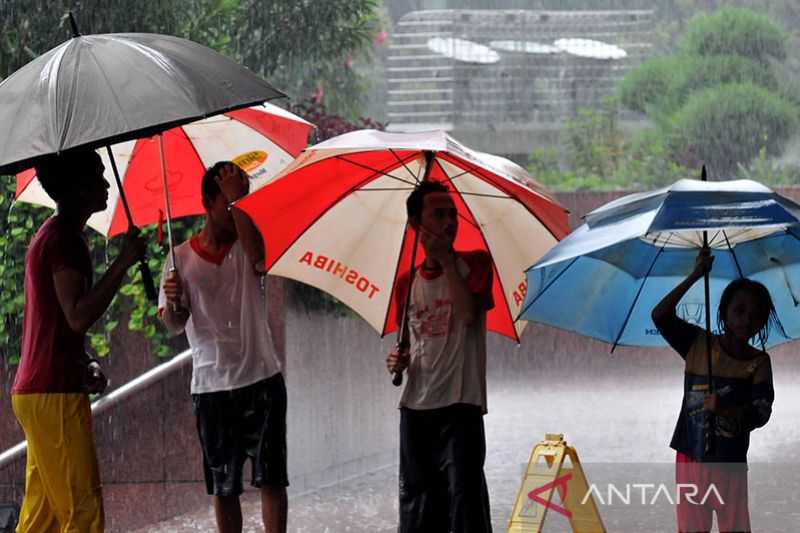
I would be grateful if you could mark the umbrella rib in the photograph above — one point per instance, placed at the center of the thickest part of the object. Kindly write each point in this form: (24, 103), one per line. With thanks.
(636, 298)
(395, 281)
(478, 171)
(733, 254)
(488, 248)
(465, 172)
(525, 309)
(487, 195)
(711, 241)
(785, 279)
(365, 167)
(470, 222)
(378, 189)
(120, 109)
(783, 270)
(324, 211)
(680, 237)
(394, 153)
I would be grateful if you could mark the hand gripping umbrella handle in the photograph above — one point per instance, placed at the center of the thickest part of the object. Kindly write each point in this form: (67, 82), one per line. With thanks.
(147, 277)
(147, 280)
(402, 344)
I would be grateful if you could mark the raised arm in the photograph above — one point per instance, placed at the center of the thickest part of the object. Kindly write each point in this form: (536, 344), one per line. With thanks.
(235, 184)
(82, 304)
(678, 333)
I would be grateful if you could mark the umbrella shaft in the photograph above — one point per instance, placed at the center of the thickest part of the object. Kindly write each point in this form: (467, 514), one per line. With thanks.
(707, 297)
(122, 197)
(166, 199)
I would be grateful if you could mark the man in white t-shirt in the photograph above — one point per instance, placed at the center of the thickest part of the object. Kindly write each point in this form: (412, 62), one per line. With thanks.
(442, 441)
(217, 295)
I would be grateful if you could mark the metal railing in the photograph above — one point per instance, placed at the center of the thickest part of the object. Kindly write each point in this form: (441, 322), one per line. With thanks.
(114, 397)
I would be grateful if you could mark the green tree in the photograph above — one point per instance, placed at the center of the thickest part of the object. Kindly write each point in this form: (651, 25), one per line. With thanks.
(597, 156)
(718, 100)
(307, 46)
(271, 38)
(735, 31)
(301, 46)
(727, 126)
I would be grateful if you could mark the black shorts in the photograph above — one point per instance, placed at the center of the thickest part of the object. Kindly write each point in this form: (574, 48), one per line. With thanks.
(241, 423)
(442, 485)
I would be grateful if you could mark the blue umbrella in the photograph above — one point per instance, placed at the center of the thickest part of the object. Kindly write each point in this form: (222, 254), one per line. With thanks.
(604, 279)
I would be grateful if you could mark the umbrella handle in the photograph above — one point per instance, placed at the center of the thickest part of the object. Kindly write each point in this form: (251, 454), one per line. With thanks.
(397, 375)
(147, 280)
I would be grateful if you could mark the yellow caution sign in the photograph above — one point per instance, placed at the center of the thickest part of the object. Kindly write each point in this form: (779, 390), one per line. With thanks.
(546, 474)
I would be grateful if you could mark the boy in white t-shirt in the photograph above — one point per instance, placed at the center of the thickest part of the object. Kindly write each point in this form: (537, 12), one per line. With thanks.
(442, 441)
(217, 294)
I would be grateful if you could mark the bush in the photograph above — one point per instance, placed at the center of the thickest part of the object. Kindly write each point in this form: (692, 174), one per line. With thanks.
(702, 72)
(598, 157)
(735, 31)
(647, 84)
(665, 84)
(727, 126)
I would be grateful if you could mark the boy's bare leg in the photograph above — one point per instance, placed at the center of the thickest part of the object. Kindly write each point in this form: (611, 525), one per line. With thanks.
(228, 511)
(274, 508)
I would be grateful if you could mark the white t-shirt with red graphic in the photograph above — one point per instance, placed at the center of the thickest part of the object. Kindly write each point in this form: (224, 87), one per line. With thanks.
(448, 356)
(227, 328)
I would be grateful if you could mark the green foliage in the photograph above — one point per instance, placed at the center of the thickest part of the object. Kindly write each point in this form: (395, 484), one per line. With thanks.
(645, 85)
(17, 226)
(735, 31)
(307, 46)
(664, 85)
(594, 141)
(299, 45)
(600, 158)
(722, 98)
(764, 170)
(702, 72)
(727, 126)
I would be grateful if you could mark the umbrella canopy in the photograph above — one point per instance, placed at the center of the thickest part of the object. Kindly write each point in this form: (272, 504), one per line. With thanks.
(336, 218)
(98, 90)
(604, 279)
(261, 139)
(95, 90)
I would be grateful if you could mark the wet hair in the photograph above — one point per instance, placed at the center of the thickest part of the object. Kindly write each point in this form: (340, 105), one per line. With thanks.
(208, 186)
(769, 317)
(416, 199)
(62, 174)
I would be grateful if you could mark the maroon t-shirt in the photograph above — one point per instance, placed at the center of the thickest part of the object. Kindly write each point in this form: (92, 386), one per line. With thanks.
(53, 357)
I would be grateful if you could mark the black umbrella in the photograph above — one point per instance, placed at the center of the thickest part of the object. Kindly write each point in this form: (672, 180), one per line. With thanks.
(96, 90)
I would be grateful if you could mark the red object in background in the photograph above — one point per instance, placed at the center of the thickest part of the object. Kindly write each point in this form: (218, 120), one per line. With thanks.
(336, 219)
(262, 139)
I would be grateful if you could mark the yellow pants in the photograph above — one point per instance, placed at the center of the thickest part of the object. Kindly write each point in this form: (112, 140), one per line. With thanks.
(62, 480)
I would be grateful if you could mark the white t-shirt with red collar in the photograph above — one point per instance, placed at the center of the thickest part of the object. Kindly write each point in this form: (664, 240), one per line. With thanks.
(448, 356)
(227, 328)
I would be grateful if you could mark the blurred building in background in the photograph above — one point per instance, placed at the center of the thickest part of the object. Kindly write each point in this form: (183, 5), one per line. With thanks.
(505, 80)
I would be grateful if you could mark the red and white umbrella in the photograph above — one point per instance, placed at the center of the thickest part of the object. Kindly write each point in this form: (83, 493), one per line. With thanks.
(262, 139)
(336, 219)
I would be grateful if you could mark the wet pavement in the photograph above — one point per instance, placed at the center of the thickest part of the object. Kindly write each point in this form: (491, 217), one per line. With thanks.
(621, 435)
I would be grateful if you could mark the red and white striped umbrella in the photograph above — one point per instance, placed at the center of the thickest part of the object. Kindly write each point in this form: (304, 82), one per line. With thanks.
(336, 219)
(262, 139)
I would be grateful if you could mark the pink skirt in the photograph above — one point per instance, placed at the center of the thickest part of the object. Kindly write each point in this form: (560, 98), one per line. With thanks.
(705, 488)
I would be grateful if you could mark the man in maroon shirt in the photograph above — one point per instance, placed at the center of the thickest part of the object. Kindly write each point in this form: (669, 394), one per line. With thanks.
(49, 396)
